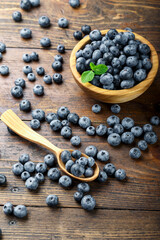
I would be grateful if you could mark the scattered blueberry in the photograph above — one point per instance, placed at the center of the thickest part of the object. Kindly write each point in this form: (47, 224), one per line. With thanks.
(102, 176)
(88, 203)
(51, 116)
(17, 16)
(112, 120)
(78, 196)
(20, 211)
(25, 105)
(118, 128)
(91, 130)
(103, 155)
(147, 127)
(31, 77)
(29, 166)
(114, 139)
(41, 167)
(25, 175)
(61, 49)
(110, 169)
(76, 154)
(115, 108)
(20, 82)
(150, 137)
(127, 138)
(31, 183)
(54, 174)
(65, 156)
(47, 79)
(86, 29)
(66, 132)
(38, 90)
(83, 187)
(17, 169)
(68, 165)
(40, 71)
(3, 179)
(27, 69)
(63, 23)
(4, 70)
(96, 108)
(74, 3)
(57, 66)
(35, 3)
(56, 125)
(34, 56)
(2, 47)
(91, 151)
(137, 131)
(52, 200)
(88, 172)
(50, 160)
(57, 78)
(127, 123)
(40, 177)
(25, 5)
(35, 124)
(77, 170)
(101, 130)
(26, 33)
(26, 58)
(44, 21)
(75, 140)
(8, 208)
(38, 114)
(84, 122)
(24, 158)
(155, 120)
(142, 144)
(135, 153)
(65, 181)
(120, 174)
(77, 35)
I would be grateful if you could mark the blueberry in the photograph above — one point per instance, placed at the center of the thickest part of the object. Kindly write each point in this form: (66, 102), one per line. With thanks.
(82, 161)
(125, 84)
(130, 50)
(102, 177)
(87, 53)
(47, 79)
(40, 177)
(25, 175)
(54, 174)
(77, 170)
(8, 208)
(122, 59)
(63, 112)
(75, 140)
(101, 61)
(57, 66)
(4, 70)
(95, 44)
(1, 56)
(56, 125)
(24, 158)
(73, 118)
(20, 211)
(76, 154)
(26, 33)
(110, 69)
(127, 123)
(20, 82)
(45, 42)
(137, 131)
(27, 69)
(44, 21)
(34, 56)
(3, 180)
(38, 90)
(140, 75)
(135, 153)
(65, 123)
(97, 54)
(114, 139)
(110, 169)
(38, 114)
(127, 137)
(88, 172)
(74, 3)
(131, 61)
(101, 130)
(35, 124)
(116, 63)
(2, 47)
(31, 183)
(63, 23)
(96, 108)
(57, 78)
(17, 169)
(150, 137)
(25, 105)
(31, 77)
(115, 108)
(52, 200)
(40, 71)
(80, 67)
(61, 48)
(86, 29)
(108, 57)
(147, 64)
(91, 130)
(109, 131)
(116, 81)
(51, 116)
(65, 156)
(78, 196)
(103, 48)
(58, 58)
(17, 16)
(91, 162)
(120, 174)
(114, 50)
(83, 187)
(142, 144)
(50, 160)
(118, 128)
(65, 181)
(128, 29)
(84, 122)
(144, 48)
(126, 73)
(147, 127)
(66, 132)
(103, 156)
(77, 35)
(29, 166)
(95, 35)
(91, 151)
(41, 167)
(155, 120)
(112, 120)
(79, 53)
(112, 33)
(35, 3)
(96, 81)
(25, 5)
(26, 58)
(88, 203)
(68, 165)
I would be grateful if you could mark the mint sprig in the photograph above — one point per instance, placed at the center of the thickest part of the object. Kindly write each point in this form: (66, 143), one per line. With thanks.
(100, 69)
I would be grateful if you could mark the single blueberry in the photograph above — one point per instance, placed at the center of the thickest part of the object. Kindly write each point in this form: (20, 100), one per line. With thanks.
(26, 33)
(57, 78)
(96, 108)
(75, 140)
(127, 137)
(51, 116)
(40, 71)
(102, 177)
(135, 153)
(65, 156)
(76, 154)
(38, 90)
(25, 106)
(40, 177)
(54, 174)
(91, 130)
(68, 165)
(38, 114)
(65, 181)
(4, 70)
(26, 58)
(50, 160)
(88, 203)
(17, 169)
(3, 180)
(17, 16)
(24, 158)
(127, 122)
(20, 82)
(86, 29)
(52, 200)
(63, 23)
(91, 151)
(114, 139)
(78, 196)
(45, 42)
(103, 156)
(44, 21)
(142, 144)
(112, 120)
(120, 174)
(66, 132)
(77, 170)
(25, 175)
(150, 137)
(110, 169)
(41, 167)
(84, 122)
(20, 211)
(155, 120)
(56, 125)
(47, 79)
(137, 131)
(8, 208)
(29, 166)
(35, 124)
(88, 172)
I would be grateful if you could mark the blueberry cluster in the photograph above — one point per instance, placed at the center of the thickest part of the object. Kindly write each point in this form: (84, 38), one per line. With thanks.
(127, 59)
(85, 29)
(28, 4)
(20, 211)
(58, 64)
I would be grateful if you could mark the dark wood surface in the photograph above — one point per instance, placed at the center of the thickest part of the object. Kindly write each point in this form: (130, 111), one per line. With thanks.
(129, 210)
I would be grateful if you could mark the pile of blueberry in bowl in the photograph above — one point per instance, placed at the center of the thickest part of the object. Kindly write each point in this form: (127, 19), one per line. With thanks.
(130, 60)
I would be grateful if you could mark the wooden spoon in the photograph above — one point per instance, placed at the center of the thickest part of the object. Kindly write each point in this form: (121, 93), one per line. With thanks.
(19, 127)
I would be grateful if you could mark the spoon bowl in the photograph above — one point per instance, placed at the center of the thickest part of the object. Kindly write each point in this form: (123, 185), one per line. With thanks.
(21, 129)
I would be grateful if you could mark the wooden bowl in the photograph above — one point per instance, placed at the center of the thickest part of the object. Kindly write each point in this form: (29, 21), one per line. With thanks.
(114, 96)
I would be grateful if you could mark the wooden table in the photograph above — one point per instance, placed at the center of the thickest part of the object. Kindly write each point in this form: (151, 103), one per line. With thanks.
(129, 210)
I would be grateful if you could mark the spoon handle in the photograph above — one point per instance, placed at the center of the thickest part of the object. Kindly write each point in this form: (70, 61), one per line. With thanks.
(20, 128)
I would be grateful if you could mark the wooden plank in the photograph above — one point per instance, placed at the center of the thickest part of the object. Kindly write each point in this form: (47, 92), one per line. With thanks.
(64, 224)
(141, 109)
(140, 191)
(142, 16)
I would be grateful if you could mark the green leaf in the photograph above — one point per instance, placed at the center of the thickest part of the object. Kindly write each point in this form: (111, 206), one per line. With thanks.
(92, 66)
(100, 69)
(87, 76)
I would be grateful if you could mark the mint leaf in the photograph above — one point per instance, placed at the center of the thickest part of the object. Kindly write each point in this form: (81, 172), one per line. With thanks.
(100, 69)
(92, 66)
(87, 76)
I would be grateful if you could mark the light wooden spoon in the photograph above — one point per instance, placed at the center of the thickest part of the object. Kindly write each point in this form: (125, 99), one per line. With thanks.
(19, 127)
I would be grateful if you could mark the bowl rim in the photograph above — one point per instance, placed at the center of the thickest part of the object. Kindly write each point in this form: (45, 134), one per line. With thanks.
(94, 89)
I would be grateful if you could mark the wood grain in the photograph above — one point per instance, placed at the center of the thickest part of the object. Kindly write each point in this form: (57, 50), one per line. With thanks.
(75, 224)
(142, 16)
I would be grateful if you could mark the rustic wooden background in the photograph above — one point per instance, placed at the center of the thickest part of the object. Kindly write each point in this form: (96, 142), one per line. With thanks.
(129, 210)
